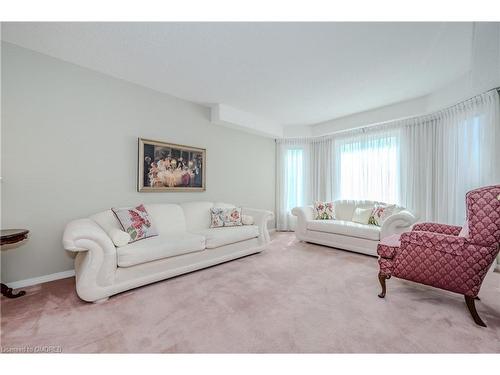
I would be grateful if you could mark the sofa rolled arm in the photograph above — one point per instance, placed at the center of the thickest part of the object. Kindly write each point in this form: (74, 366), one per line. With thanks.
(78, 231)
(303, 214)
(95, 264)
(453, 230)
(397, 223)
(261, 218)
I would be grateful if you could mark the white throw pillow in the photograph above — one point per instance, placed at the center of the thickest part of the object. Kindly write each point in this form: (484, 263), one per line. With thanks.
(119, 237)
(362, 215)
(247, 220)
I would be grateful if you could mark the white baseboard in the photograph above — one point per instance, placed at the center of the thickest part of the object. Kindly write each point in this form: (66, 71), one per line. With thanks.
(41, 279)
(272, 230)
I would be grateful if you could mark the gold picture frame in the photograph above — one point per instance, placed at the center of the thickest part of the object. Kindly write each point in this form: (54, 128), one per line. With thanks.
(164, 166)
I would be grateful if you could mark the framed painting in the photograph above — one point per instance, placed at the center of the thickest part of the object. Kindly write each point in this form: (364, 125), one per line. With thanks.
(170, 167)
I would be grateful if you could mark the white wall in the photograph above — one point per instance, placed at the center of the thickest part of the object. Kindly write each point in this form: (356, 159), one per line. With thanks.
(69, 149)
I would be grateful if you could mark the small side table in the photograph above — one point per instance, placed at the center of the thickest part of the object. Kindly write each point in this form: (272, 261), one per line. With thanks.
(12, 236)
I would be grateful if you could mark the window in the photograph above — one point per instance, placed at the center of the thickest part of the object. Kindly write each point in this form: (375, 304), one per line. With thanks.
(368, 168)
(294, 192)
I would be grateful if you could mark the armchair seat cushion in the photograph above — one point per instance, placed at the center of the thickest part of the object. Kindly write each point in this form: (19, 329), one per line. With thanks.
(159, 247)
(346, 228)
(216, 237)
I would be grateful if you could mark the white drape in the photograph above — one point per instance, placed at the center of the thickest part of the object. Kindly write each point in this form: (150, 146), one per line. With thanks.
(322, 169)
(448, 153)
(292, 181)
(305, 174)
(426, 163)
(367, 165)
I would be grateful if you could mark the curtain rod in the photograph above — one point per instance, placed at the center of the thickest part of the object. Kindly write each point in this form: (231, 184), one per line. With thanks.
(363, 127)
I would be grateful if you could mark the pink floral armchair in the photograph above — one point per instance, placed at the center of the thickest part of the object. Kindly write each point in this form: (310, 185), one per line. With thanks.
(445, 256)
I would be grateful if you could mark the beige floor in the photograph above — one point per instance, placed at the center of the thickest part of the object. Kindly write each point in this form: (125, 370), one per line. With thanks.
(294, 297)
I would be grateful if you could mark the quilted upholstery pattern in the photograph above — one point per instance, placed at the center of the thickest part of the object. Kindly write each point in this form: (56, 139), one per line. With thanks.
(461, 273)
(438, 228)
(434, 254)
(438, 241)
(483, 214)
(387, 250)
(386, 266)
(388, 247)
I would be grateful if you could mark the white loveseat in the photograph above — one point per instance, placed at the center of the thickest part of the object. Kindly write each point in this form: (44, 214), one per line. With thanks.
(343, 233)
(185, 243)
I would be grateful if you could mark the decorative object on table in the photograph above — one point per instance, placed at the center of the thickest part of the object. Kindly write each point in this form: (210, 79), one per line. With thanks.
(447, 256)
(9, 237)
(136, 222)
(170, 167)
(324, 210)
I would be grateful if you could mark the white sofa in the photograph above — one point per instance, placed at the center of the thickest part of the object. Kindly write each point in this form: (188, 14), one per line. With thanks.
(345, 234)
(185, 243)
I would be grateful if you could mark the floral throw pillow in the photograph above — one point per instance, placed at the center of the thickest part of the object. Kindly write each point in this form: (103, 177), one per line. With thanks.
(217, 217)
(232, 217)
(225, 217)
(380, 213)
(324, 210)
(136, 222)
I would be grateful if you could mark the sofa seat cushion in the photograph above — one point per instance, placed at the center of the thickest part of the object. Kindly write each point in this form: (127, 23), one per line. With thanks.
(346, 228)
(159, 247)
(216, 237)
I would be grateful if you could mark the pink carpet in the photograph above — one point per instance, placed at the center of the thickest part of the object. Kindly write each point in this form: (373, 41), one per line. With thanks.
(294, 297)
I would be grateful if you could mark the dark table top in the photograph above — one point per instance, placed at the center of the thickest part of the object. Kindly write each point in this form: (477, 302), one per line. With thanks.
(14, 235)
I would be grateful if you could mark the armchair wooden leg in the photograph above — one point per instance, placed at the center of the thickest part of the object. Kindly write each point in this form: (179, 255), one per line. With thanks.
(382, 279)
(470, 301)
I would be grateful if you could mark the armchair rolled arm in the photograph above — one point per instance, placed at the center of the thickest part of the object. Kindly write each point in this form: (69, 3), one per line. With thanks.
(452, 230)
(397, 223)
(261, 218)
(434, 241)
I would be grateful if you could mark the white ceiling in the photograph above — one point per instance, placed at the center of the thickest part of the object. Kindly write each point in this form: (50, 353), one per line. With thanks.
(286, 73)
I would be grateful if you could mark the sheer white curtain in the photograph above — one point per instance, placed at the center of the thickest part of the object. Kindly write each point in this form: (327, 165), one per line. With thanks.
(292, 182)
(305, 174)
(448, 153)
(322, 169)
(367, 165)
(426, 163)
